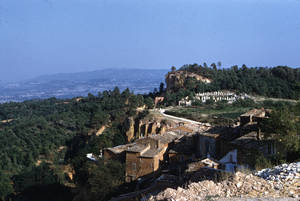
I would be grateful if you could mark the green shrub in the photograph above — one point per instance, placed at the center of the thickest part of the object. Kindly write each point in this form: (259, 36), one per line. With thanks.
(262, 162)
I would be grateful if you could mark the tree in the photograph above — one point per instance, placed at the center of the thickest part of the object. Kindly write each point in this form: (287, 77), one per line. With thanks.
(235, 68)
(5, 186)
(102, 179)
(219, 64)
(214, 66)
(283, 127)
(173, 68)
(244, 67)
(297, 108)
(91, 96)
(149, 102)
(116, 92)
(41, 175)
(161, 88)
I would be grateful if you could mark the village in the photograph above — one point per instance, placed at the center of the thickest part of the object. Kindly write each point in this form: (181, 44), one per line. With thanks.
(186, 147)
(215, 96)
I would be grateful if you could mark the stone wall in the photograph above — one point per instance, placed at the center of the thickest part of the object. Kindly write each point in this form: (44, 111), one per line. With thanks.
(143, 128)
(130, 130)
(137, 166)
(154, 144)
(109, 155)
(205, 145)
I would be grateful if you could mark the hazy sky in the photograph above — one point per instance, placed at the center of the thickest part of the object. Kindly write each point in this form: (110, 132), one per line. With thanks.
(51, 36)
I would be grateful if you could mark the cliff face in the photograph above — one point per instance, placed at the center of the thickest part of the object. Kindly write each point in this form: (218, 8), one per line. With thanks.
(142, 128)
(176, 80)
(130, 129)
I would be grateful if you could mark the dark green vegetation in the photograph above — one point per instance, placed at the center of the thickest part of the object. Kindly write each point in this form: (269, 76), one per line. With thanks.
(283, 130)
(46, 139)
(276, 82)
(283, 127)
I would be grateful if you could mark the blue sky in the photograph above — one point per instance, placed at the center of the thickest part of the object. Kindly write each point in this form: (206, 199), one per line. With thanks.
(53, 36)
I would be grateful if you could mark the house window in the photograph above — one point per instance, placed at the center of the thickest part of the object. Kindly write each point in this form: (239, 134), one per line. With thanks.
(181, 158)
(271, 148)
(134, 166)
(206, 149)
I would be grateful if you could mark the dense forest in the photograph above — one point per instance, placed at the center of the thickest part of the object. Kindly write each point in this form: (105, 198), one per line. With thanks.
(42, 139)
(276, 82)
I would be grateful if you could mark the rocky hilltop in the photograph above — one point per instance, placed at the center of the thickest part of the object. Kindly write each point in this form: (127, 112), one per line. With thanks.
(177, 79)
(279, 182)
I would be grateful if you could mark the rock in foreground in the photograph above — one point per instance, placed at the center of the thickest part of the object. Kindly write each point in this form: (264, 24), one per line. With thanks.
(241, 185)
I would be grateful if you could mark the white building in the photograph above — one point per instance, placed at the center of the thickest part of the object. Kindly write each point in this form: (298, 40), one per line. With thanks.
(216, 96)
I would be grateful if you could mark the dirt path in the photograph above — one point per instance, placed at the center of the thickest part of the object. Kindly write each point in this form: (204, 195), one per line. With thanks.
(162, 112)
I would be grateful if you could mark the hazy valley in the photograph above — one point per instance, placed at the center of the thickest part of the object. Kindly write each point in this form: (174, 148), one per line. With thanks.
(140, 81)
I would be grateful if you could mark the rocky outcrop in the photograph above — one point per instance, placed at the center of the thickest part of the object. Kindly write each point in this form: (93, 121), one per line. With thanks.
(136, 129)
(162, 129)
(276, 184)
(101, 130)
(153, 127)
(285, 176)
(130, 129)
(281, 173)
(139, 125)
(176, 80)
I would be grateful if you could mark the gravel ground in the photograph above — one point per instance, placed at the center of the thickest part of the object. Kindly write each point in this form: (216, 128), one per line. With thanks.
(252, 199)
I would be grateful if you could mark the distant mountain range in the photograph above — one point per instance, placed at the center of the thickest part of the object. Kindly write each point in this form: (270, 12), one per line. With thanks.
(67, 85)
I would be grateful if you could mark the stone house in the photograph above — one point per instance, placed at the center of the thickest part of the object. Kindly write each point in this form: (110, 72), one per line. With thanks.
(253, 116)
(116, 153)
(206, 144)
(249, 142)
(141, 160)
(183, 150)
(250, 121)
(144, 156)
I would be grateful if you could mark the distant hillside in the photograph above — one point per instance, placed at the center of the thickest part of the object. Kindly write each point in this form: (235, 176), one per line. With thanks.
(67, 85)
(276, 82)
(105, 74)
